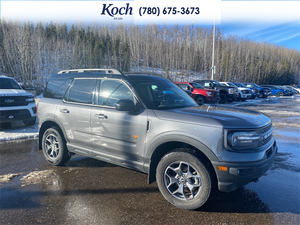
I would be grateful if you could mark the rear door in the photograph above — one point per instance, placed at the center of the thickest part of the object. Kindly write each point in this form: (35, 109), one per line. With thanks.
(74, 114)
(118, 136)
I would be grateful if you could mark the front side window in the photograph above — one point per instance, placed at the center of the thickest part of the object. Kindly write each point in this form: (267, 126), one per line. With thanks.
(111, 91)
(81, 91)
(162, 94)
(196, 85)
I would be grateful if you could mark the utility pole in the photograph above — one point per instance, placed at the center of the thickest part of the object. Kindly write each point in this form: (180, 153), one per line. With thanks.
(213, 68)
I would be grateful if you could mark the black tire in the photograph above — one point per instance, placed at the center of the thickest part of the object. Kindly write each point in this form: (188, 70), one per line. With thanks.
(261, 95)
(243, 99)
(54, 147)
(280, 93)
(29, 122)
(200, 99)
(223, 98)
(191, 184)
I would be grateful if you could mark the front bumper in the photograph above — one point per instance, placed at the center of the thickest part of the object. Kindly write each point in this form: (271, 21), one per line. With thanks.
(240, 174)
(17, 113)
(233, 96)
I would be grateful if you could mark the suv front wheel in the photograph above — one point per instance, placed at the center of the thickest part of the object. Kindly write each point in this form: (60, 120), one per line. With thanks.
(183, 180)
(54, 147)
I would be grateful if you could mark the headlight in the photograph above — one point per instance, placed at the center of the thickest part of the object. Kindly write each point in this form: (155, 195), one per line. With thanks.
(253, 90)
(230, 91)
(243, 140)
(29, 99)
(208, 94)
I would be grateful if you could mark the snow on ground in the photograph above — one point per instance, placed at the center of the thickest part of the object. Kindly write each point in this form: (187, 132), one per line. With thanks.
(19, 131)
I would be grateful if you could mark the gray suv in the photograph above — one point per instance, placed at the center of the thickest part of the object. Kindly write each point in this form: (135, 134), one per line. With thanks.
(149, 124)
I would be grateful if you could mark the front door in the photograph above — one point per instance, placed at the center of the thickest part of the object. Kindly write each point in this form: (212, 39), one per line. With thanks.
(118, 136)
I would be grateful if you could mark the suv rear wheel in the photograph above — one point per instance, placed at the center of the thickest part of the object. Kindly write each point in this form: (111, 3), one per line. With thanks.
(183, 180)
(54, 147)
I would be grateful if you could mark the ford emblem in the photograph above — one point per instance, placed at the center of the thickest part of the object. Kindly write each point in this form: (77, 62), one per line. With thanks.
(9, 100)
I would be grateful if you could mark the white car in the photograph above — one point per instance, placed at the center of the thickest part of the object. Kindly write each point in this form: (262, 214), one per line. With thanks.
(244, 93)
(15, 103)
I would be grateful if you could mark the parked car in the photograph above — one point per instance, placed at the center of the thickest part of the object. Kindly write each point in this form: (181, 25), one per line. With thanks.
(244, 93)
(276, 90)
(296, 88)
(15, 103)
(254, 91)
(227, 93)
(264, 92)
(288, 90)
(147, 123)
(199, 93)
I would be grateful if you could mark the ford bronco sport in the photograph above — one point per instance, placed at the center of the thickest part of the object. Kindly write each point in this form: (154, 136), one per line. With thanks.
(149, 124)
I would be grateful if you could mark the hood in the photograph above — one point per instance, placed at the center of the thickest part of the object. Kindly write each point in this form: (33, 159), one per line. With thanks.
(14, 92)
(214, 115)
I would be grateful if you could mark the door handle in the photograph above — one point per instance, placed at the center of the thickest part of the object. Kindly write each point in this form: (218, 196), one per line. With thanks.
(101, 116)
(64, 111)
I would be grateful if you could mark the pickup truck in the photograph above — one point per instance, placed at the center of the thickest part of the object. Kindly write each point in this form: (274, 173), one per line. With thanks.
(227, 93)
(199, 93)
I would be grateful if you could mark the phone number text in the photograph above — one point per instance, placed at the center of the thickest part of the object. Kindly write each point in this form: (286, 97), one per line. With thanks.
(169, 11)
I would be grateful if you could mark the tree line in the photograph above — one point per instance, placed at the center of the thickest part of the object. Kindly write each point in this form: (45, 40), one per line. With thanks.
(33, 52)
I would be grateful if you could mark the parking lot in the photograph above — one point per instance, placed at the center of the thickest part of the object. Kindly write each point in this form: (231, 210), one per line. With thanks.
(87, 191)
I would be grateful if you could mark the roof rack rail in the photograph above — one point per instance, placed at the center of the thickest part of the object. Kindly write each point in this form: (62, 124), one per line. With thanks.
(106, 71)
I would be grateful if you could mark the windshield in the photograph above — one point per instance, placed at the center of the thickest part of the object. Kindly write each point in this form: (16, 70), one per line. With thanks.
(241, 85)
(232, 84)
(196, 85)
(255, 85)
(160, 93)
(7, 83)
(216, 83)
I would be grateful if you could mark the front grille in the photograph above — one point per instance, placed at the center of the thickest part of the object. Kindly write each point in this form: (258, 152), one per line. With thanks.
(266, 133)
(246, 92)
(8, 101)
(264, 129)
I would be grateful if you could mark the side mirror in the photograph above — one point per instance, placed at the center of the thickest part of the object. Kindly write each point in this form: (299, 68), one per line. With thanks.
(125, 105)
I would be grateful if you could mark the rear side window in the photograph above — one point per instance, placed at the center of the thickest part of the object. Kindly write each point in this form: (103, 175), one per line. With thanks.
(184, 86)
(81, 91)
(56, 88)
